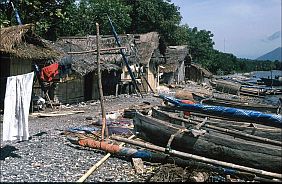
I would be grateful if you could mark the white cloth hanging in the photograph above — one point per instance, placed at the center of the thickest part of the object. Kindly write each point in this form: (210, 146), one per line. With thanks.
(16, 107)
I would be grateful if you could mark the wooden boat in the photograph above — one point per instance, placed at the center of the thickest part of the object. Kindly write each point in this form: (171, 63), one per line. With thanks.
(209, 143)
(235, 114)
(173, 116)
(235, 103)
(272, 82)
(231, 87)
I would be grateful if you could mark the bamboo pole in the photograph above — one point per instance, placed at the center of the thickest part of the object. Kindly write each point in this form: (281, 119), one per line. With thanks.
(93, 168)
(104, 123)
(124, 58)
(90, 51)
(199, 158)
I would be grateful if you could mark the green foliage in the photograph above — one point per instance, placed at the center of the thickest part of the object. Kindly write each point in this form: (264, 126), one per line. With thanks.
(155, 15)
(55, 18)
(92, 11)
(247, 65)
(200, 44)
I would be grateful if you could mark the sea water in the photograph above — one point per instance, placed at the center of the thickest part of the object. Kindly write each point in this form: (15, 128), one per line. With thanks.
(256, 75)
(266, 74)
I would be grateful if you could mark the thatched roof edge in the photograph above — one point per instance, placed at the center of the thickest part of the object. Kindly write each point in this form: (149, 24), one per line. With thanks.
(21, 42)
(206, 72)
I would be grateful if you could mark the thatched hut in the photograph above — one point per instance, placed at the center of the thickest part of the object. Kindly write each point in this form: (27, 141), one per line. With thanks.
(20, 47)
(197, 73)
(138, 48)
(148, 58)
(173, 71)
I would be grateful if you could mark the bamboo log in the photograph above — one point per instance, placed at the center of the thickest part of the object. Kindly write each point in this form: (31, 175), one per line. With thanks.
(156, 157)
(199, 158)
(94, 167)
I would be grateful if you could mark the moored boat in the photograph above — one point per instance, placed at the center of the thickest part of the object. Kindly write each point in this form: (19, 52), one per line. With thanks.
(235, 103)
(211, 144)
(274, 120)
(272, 82)
(237, 129)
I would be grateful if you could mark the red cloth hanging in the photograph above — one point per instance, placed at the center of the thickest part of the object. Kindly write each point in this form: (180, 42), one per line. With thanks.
(48, 72)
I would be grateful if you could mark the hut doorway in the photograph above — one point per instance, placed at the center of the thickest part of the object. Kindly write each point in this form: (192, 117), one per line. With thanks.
(88, 86)
(4, 73)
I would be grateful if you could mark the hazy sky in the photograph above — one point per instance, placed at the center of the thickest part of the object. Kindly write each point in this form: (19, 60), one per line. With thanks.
(250, 28)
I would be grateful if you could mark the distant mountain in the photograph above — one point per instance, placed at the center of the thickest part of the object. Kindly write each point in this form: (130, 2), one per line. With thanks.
(272, 56)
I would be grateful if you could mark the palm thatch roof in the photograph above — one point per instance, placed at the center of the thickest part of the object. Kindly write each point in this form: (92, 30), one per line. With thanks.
(175, 55)
(21, 42)
(146, 44)
(206, 72)
(138, 49)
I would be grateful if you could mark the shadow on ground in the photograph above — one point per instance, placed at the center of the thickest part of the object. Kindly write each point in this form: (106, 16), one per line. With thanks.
(7, 151)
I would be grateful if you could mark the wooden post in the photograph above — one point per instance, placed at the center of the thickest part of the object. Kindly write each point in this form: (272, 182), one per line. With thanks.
(104, 124)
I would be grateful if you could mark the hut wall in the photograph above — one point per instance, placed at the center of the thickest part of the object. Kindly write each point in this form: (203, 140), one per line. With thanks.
(70, 91)
(19, 67)
(194, 74)
(151, 77)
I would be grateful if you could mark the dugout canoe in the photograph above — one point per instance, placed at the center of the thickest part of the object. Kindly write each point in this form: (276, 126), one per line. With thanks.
(236, 114)
(257, 132)
(235, 103)
(210, 144)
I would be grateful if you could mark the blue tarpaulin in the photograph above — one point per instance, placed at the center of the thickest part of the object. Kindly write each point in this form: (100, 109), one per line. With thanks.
(274, 120)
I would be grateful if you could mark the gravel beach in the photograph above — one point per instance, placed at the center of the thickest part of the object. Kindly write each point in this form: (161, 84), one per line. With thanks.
(49, 157)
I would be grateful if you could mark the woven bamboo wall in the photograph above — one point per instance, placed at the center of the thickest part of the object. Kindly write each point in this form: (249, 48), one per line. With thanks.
(70, 91)
(19, 67)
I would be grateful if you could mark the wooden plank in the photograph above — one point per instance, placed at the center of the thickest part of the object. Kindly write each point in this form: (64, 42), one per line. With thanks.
(55, 113)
